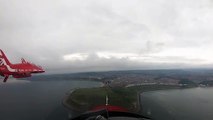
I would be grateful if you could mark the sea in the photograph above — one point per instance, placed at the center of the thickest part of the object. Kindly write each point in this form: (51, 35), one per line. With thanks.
(178, 104)
(37, 100)
(42, 100)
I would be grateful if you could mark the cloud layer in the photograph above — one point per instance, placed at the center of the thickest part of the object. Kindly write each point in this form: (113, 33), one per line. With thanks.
(94, 35)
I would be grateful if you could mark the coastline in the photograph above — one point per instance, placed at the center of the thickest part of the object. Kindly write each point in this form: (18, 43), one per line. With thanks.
(132, 100)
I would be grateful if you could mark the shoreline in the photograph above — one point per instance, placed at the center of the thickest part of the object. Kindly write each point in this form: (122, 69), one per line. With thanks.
(134, 102)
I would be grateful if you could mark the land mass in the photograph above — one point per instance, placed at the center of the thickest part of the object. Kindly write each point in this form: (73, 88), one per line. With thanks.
(85, 99)
(123, 87)
(203, 77)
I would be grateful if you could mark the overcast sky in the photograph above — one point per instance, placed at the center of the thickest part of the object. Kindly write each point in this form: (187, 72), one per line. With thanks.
(96, 35)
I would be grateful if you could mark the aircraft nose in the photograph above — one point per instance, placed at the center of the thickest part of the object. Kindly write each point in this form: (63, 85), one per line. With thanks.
(40, 69)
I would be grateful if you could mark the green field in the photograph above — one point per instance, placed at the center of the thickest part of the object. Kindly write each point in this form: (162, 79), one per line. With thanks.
(127, 97)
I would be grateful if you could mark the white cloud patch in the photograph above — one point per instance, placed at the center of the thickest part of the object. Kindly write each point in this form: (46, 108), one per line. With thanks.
(110, 55)
(75, 57)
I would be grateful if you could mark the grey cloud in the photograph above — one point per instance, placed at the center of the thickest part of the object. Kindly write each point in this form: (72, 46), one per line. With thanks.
(95, 63)
(43, 31)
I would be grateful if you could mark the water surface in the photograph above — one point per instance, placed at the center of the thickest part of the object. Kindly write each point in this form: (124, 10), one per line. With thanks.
(37, 100)
(179, 104)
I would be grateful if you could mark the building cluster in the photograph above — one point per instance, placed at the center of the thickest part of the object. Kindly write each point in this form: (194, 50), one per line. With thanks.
(126, 81)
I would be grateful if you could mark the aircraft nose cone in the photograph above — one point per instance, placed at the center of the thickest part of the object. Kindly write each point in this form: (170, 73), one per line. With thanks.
(41, 71)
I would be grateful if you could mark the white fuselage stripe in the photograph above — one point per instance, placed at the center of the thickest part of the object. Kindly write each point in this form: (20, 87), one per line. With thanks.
(8, 67)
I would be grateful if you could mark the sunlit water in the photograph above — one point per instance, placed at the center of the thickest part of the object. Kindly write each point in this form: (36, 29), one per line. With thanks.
(181, 104)
(36, 100)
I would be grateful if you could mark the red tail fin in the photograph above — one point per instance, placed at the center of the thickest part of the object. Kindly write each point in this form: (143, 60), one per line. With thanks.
(23, 60)
(3, 59)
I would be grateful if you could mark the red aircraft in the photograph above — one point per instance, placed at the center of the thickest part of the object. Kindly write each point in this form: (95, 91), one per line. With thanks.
(20, 70)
